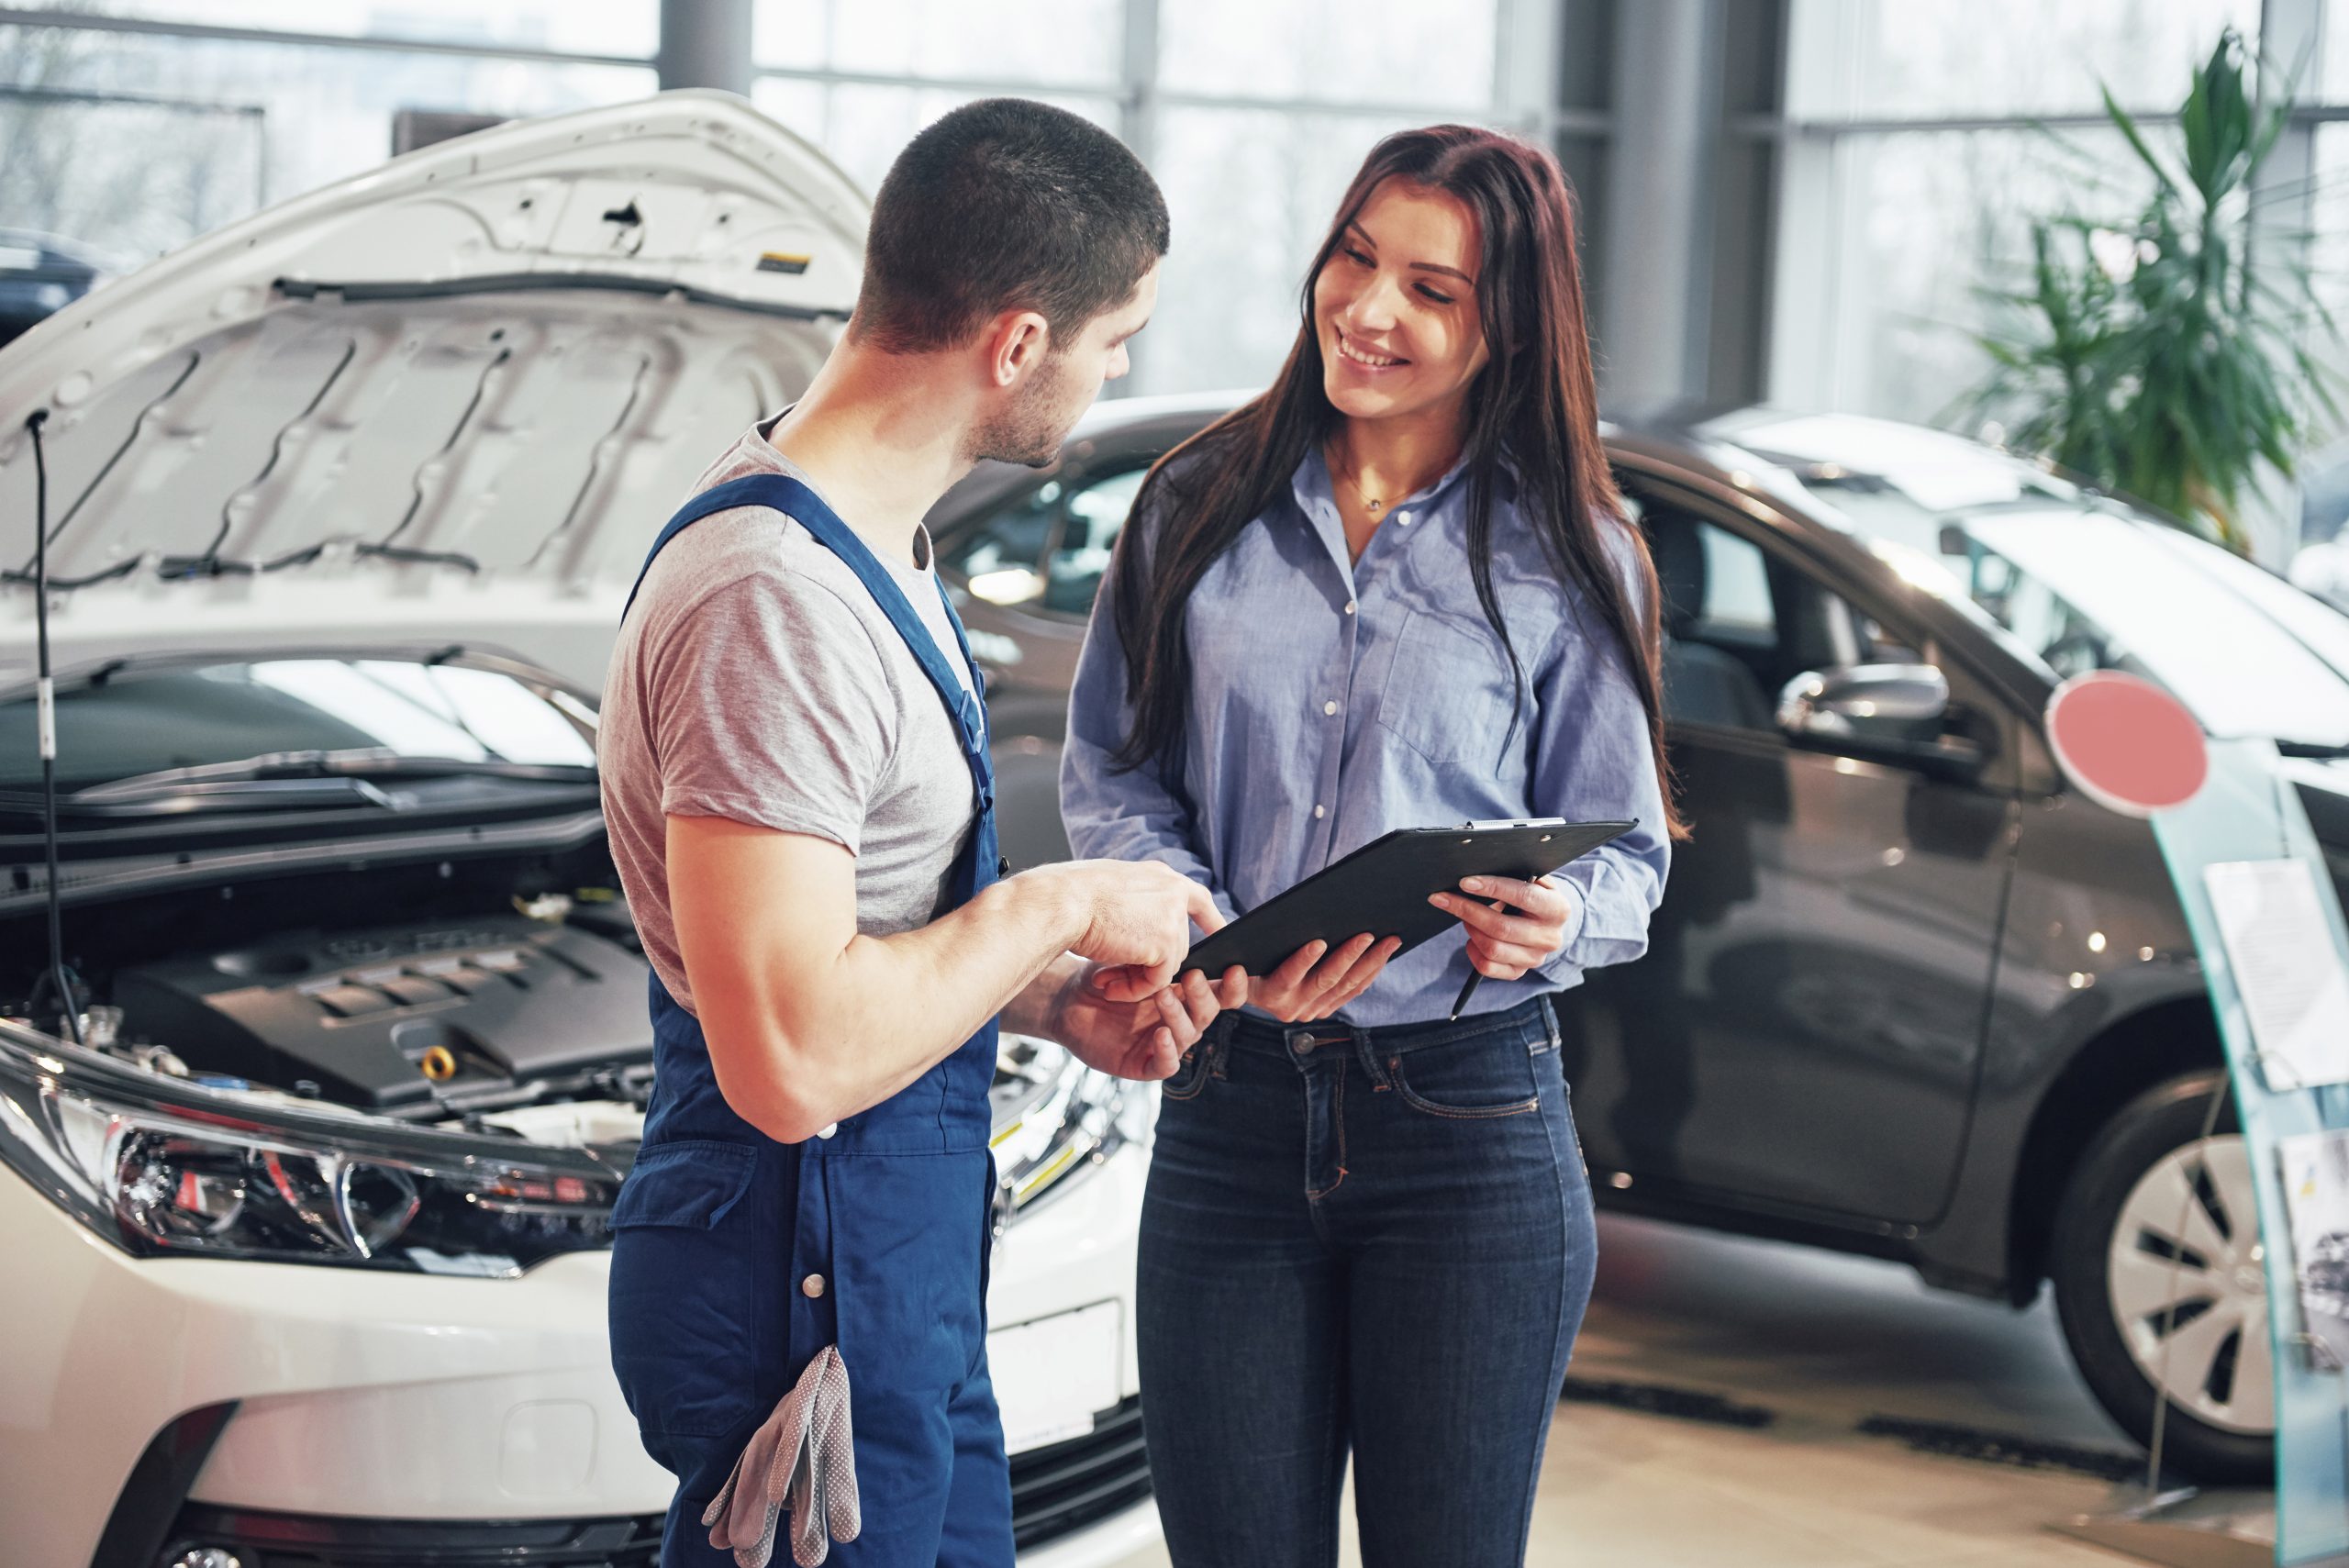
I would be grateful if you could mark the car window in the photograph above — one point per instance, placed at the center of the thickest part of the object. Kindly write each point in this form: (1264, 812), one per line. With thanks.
(1094, 515)
(998, 556)
(1739, 624)
(1047, 551)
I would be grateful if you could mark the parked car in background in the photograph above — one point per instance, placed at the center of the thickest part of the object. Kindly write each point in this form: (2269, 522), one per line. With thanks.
(308, 1244)
(1907, 995)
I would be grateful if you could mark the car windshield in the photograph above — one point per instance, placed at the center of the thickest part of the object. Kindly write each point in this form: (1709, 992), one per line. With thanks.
(2085, 583)
(134, 720)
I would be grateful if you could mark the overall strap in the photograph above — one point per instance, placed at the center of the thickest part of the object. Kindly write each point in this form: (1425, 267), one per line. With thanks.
(780, 492)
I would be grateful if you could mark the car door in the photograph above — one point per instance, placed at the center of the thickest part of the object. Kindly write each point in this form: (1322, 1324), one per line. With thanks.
(1805, 1030)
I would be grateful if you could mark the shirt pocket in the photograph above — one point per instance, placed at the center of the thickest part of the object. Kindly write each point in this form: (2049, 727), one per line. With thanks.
(1448, 693)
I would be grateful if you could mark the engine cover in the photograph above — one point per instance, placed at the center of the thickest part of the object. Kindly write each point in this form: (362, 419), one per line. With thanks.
(482, 1004)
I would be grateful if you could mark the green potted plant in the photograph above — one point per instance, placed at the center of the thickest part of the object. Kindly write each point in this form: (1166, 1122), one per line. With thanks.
(2172, 354)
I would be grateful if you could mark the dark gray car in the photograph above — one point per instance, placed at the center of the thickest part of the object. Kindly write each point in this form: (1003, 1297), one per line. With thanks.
(1908, 994)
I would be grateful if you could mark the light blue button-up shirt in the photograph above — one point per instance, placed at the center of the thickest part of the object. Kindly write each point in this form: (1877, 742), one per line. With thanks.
(1334, 700)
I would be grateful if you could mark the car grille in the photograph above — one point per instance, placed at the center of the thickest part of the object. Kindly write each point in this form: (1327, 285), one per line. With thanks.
(1055, 1492)
(309, 1541)
(1058, 1490)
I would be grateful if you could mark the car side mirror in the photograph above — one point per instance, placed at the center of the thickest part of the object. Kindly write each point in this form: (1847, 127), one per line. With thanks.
(1896, 712)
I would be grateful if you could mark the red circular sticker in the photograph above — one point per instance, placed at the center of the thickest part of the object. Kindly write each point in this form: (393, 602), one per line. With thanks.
(2127, 744)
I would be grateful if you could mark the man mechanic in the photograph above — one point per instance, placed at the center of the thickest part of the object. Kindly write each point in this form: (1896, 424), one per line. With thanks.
(800, 802)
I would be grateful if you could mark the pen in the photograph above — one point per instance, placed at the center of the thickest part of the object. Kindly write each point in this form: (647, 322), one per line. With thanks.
(1465, 992)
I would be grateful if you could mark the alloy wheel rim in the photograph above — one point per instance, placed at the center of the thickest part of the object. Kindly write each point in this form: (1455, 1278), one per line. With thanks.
(2186, 1279)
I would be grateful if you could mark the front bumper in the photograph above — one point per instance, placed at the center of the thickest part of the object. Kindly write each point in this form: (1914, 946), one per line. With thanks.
(398, 1402)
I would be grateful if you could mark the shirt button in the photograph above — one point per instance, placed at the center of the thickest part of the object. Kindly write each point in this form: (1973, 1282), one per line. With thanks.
(1403, 519)
(828, 1129)
(1319, 812)
(1350, 607)
(812, 1286)
(1329, 708)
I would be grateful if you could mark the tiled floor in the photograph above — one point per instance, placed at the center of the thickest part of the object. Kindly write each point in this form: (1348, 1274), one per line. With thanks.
(1823, 1342)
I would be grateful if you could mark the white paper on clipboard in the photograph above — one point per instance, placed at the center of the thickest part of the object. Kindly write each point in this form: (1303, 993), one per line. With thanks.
(2295, 990)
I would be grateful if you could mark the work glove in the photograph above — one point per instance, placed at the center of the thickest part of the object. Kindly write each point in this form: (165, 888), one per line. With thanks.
(803, 1454)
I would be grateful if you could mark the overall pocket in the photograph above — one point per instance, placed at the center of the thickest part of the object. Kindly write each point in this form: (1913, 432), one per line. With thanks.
(909, 1267)
(683, 1345)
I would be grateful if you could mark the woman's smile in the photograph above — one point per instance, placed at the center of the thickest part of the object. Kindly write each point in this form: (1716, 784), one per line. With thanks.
(1364, 360)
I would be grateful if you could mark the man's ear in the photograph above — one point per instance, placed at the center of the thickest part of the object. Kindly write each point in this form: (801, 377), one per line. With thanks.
(1016, 342)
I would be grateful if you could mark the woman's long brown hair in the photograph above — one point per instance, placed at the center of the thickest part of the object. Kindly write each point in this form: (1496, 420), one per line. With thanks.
(1536, 404)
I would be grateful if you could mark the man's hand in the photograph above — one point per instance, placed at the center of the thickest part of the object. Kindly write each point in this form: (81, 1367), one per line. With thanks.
(1141, 1039)
(1313, 981)
(1503, 945)
(1133, 916)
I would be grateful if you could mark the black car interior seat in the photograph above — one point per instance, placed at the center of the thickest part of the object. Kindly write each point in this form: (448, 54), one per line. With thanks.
(1702, 685)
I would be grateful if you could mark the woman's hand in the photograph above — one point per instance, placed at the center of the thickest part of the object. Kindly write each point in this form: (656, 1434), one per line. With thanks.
(1503, 945)
(1314, 982)
(1142, 1036)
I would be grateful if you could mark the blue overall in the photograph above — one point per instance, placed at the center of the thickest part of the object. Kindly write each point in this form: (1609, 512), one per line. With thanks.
(736, 1259)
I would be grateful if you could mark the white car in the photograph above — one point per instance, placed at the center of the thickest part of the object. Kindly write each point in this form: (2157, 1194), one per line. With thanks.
(306, 1244)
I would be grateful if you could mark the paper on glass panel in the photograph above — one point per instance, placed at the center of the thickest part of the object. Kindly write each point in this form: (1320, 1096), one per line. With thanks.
(2295, 991)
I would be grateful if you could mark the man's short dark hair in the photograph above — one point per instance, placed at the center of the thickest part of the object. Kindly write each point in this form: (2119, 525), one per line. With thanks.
(1006, 205)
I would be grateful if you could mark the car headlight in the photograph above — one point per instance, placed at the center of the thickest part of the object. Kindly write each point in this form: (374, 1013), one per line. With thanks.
(1055, 1119)
(165, 1168)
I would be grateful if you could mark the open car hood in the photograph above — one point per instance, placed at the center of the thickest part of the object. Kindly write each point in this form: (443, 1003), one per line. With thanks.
(453, 396)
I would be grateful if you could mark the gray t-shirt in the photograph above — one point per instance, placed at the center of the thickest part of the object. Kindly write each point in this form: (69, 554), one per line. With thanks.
(755, 679)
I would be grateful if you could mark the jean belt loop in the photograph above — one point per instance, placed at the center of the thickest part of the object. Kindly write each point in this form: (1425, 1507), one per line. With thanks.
(1218, 1044)
(1550, 1020)
(1367, 1053)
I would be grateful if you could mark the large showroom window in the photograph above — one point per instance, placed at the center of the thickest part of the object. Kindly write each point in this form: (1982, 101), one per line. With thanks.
(1922, 138)
(133, 126)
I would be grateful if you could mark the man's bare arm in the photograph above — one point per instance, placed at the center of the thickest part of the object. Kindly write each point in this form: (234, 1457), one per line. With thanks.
(810, 1021)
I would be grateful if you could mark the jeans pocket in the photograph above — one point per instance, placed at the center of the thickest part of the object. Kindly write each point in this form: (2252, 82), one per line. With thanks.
(1190, 1074)
(1474, 1080)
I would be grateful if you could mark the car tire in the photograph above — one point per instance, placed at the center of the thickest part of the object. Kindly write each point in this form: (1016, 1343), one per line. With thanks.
(2158, 1283)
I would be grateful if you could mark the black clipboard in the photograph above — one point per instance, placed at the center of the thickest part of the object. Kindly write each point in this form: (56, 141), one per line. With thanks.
(1383, 888)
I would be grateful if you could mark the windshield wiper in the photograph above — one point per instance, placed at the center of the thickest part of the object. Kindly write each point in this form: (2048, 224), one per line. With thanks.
(355, 762)
(2320, 748)
(212, 796)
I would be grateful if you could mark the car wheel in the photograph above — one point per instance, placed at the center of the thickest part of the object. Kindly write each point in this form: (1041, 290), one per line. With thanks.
(2161, 1283)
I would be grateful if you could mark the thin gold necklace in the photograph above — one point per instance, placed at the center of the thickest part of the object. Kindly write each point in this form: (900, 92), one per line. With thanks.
(1370, 503)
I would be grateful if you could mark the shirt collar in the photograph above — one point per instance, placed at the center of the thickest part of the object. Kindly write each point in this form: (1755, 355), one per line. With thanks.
(1314, 489)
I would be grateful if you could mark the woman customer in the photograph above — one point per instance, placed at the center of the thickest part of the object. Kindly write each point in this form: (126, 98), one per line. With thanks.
(1396, 590)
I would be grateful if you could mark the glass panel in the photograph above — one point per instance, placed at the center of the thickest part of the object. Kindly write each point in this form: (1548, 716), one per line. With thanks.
(2325, 474)
(1251, 193)
(2335, 79)
(578, 27)
(1337, 52)
(1928, 219)
(1932, 58)
(1059, 42)
(862, 128)
(260, 122)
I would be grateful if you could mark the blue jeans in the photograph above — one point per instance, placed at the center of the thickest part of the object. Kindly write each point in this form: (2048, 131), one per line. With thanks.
(1369, 1239)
